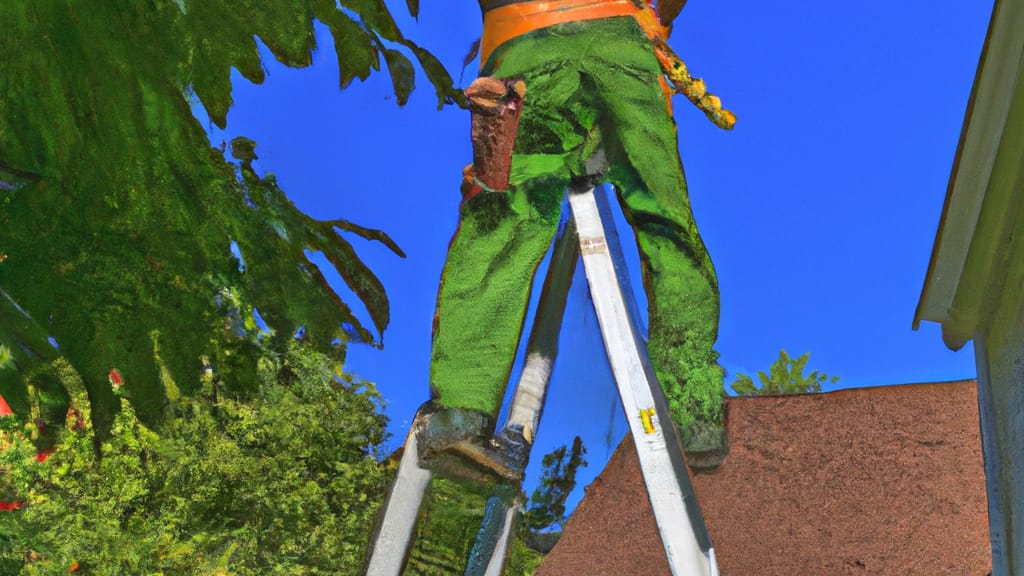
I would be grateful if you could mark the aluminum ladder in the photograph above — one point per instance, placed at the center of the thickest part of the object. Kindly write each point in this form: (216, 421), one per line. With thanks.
(684, 535)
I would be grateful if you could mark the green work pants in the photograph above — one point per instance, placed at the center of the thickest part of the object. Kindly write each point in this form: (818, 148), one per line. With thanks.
(588, 84)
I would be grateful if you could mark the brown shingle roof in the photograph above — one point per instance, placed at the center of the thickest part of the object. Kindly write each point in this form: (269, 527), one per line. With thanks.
(868, 481)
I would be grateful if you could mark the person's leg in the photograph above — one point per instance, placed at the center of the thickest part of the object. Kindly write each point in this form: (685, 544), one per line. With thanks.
(482, 299)
(503, 234)
(502, 237)
(682, 305)
(481, 307)
(679, 278)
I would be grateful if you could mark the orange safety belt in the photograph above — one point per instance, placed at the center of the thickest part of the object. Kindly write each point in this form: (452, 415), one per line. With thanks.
(511, 20)
(506, 22)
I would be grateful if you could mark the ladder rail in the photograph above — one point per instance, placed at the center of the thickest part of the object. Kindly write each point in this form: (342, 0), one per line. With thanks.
(672, 436)
(392, 542)
(680, 524)
(542, 346)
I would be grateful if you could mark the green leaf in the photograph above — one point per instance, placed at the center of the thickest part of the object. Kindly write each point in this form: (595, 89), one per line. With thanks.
(243, 149)
(375, 14)
(369, 234)
(744, 385)
(439, 77)
(355, 47)
(403, 77)
(6, 357)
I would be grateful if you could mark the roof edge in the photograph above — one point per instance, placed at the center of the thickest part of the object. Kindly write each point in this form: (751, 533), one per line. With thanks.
(859, 389)
(920, 313)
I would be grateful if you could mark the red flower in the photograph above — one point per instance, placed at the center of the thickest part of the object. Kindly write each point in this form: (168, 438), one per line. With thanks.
(6, 506)
(115, 378)
(42, 456)
(5, 410)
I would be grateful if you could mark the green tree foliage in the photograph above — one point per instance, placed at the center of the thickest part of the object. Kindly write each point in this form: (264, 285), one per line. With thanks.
(6, 357)
(448, 526)
(546, 507)
(116, 215)
(286, 483)
(786, 376)
(522, 560)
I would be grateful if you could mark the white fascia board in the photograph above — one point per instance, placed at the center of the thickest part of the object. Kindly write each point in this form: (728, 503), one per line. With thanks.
(985, 123)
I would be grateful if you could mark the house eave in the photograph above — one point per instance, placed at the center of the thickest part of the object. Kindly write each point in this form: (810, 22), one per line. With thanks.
(978, 211)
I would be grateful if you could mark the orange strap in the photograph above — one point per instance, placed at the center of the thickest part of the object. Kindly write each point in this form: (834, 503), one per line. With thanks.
(507, 22)
(512, 20)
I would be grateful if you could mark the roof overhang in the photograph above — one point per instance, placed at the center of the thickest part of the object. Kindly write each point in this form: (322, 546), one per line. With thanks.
(978, 255)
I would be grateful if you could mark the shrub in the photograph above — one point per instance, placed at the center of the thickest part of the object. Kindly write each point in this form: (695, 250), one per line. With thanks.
(283, 482)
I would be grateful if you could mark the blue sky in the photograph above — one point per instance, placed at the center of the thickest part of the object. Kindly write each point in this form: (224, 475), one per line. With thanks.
(819, 209)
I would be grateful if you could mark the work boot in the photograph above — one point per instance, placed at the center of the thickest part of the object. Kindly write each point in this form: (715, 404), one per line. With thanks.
(455, 443)
(706, 445)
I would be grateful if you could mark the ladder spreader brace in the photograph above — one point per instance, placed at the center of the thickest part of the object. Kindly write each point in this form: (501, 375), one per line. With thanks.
(680, 523)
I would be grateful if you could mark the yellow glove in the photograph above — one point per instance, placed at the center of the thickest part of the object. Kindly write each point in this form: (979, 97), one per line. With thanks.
(693, 88)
